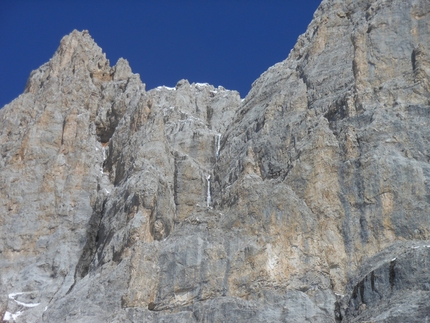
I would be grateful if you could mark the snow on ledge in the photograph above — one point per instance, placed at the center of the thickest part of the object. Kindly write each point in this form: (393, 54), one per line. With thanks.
(165, 88)
(26, 305)
(201, 84)
(9, 316)
(13, 295)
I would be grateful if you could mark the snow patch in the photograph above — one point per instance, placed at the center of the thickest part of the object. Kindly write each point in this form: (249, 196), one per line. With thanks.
(166, 110)
(26, 305)
(393, 259)
(13, 295)
(9, 316)
(201, 84)
(104, 158)
(166, 88)
(191, 119)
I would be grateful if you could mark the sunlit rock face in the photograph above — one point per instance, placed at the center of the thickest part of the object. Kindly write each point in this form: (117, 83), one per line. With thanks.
(306, 201)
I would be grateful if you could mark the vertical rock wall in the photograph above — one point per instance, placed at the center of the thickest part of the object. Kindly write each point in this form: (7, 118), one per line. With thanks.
(305, 202)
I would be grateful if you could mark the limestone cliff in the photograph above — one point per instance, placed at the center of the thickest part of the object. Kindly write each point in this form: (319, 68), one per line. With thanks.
(307, 201)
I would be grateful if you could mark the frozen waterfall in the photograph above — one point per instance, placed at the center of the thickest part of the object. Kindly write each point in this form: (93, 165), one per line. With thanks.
(208, 195)
(218, 145)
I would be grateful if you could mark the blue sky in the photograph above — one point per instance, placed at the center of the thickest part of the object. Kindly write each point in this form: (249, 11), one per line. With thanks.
(228, 43)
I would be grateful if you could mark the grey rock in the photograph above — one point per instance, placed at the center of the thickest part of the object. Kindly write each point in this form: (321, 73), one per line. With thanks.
(307, 201)
(395, 290)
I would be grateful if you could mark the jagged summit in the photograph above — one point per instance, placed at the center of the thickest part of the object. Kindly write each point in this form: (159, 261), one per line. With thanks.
(79, 56)
(305, 202)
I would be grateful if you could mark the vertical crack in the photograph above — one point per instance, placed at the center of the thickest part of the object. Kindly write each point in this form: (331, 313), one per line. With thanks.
(392, 274)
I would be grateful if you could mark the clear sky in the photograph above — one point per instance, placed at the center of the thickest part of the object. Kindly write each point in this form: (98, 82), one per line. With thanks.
(223, 42)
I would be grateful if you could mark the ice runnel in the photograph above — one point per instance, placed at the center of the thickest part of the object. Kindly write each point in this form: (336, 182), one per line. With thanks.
(208, 196)
(104, 158)
(218, 145)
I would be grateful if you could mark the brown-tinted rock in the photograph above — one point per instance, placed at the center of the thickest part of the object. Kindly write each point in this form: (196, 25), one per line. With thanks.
(305, 202)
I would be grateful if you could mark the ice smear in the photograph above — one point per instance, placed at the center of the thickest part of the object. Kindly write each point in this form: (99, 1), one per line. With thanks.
(218, 145)
(104, 158)
(208, 196)
(104, 153)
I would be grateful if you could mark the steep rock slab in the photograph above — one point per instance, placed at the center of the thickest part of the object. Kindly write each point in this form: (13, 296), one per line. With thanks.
(392, 289)
(141, 154)
(343, 124)
(279, 208)
(51, 145)
(158, 162)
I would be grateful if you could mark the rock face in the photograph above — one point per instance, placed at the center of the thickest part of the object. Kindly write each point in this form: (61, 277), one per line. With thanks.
(307, 201)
